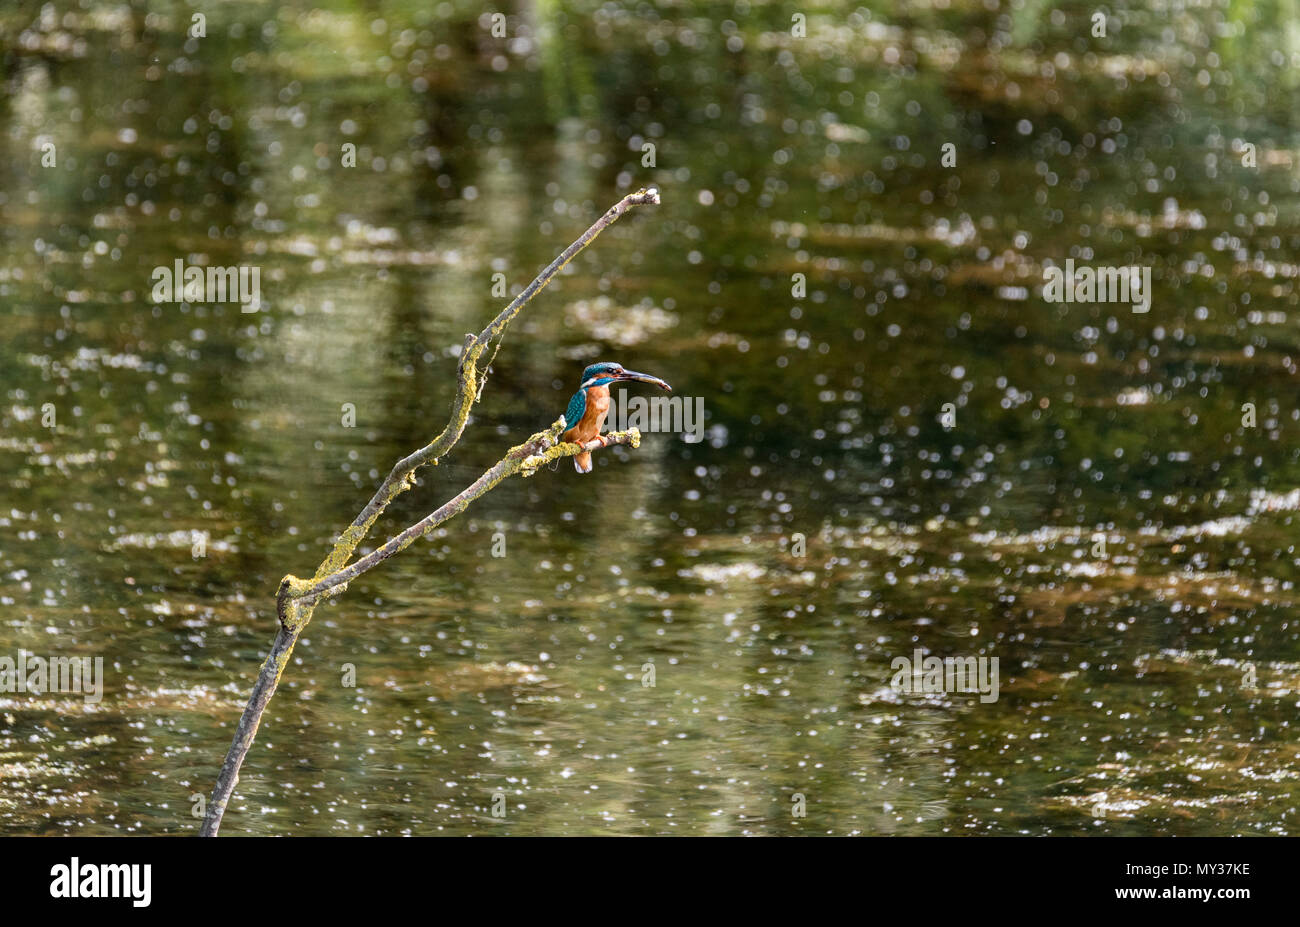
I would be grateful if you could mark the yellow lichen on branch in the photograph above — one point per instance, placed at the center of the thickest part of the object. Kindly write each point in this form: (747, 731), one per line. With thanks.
(531, 464)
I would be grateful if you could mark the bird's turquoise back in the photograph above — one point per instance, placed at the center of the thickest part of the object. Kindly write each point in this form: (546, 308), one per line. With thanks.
(577, 407)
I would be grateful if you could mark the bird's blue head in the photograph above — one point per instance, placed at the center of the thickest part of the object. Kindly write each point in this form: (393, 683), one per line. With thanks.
(606, 372)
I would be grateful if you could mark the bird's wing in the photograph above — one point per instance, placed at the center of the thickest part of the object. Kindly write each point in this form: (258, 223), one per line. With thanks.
(577, 406)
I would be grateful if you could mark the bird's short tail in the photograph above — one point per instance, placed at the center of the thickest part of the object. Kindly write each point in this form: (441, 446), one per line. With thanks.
(582, 462)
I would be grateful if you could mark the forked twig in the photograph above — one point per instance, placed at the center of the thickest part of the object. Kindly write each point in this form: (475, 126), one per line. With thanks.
(296, 598)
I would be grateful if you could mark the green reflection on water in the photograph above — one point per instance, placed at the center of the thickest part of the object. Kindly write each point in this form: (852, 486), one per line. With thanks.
(1125, 707)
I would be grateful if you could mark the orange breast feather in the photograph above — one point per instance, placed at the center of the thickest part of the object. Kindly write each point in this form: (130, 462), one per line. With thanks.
(593, 418)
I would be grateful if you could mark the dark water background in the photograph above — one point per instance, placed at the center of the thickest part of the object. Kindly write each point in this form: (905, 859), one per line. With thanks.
(1150, 691)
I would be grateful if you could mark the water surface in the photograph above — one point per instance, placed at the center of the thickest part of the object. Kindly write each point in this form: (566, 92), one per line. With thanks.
(828, 523)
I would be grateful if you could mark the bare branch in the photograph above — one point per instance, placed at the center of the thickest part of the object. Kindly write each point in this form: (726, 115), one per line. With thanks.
(296, 598)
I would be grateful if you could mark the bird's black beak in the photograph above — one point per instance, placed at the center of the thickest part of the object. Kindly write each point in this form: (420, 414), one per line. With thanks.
(644, 378)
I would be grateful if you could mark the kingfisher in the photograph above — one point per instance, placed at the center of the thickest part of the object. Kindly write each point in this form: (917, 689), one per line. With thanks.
(590, 404)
